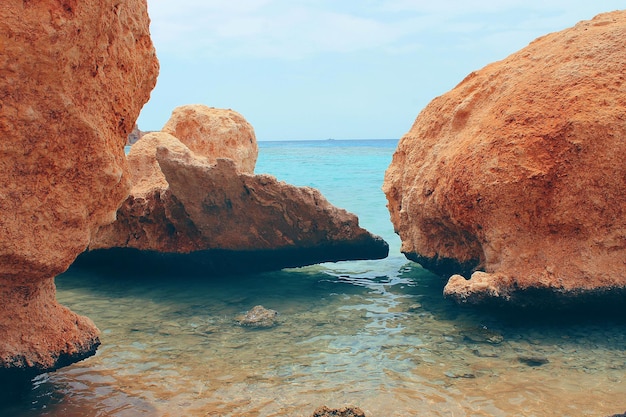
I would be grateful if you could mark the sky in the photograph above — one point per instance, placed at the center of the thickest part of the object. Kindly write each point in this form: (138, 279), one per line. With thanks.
(340, 69)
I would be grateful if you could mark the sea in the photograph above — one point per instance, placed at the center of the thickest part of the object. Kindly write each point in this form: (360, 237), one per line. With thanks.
(377, 335)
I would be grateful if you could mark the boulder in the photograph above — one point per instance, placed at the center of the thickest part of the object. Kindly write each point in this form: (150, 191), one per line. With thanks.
(151, 218)
(516, 176)
(186, 213)
(73, 78)
(258, 317)
(215, 133)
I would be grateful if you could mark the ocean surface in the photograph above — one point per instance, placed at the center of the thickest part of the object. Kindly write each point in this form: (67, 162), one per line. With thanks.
(373, 334)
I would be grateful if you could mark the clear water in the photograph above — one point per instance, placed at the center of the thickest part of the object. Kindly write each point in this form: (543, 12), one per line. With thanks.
(375, 334)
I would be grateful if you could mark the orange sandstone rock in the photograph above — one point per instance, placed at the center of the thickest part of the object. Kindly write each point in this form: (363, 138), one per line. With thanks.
(215, 133)
(185, 212)
(73, 78)
(151, 218)
(518, 174)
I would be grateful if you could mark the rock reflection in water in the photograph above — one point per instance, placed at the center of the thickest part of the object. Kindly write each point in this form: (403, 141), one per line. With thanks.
(384, 341)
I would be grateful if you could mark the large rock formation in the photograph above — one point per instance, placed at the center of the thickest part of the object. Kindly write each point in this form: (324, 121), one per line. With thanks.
(186, 212)
(73, 78)
(518, 173)
(214, 133)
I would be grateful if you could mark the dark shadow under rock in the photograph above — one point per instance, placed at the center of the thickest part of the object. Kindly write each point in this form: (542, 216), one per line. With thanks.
(226, 262)
(189, 215)
(444, 267)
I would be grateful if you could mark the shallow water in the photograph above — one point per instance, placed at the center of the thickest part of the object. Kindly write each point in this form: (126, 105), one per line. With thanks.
(375, 334)
(382, 339)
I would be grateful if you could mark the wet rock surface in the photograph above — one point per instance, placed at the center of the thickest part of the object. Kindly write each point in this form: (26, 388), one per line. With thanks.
(258, 317)
(515, 176)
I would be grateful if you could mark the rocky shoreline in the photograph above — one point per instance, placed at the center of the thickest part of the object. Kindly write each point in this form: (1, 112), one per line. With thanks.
(511, 184)
(194, 198)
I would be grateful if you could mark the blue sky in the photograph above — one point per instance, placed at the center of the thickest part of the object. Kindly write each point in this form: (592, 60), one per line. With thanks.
(342, 69)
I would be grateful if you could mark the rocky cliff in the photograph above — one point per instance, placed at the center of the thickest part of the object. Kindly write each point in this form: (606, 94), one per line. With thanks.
(73, 78)
(195, 212)
(516, 176)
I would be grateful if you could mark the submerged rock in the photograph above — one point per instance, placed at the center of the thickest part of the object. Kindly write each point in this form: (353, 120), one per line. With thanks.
(516, 175)
(485, 353)
(258, 317)
(187, 214)
(338, 412)
(73, 78)
(460, 373)
(482, 334)
(533, 360)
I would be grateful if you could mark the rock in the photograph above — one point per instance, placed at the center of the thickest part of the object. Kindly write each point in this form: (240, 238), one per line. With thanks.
(73, 78)
(215, 133)
(484, 353)
(457, 374)
(151, 218)
(516, 175)
(338, 412)
(414, 307)
(258, 317)
(533, 360)
(482, 334)
(134, 135)
(188, 214)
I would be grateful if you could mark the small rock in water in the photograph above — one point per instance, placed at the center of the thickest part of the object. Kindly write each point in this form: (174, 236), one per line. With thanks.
(259, 317)
(414, 307)
(533, 360)
(338, 412)
(482, 353)
(482, 334)
(460, 374)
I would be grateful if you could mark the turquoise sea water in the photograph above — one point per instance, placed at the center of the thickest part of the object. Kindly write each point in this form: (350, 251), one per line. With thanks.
(375, 334)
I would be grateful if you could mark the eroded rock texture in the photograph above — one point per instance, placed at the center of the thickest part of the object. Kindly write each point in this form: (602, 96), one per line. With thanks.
(187, 213)
(258, 317)
(73, 78)
(518, 174)
(214, 133)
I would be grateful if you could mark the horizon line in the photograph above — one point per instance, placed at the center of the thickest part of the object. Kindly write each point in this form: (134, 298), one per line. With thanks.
(321, 140)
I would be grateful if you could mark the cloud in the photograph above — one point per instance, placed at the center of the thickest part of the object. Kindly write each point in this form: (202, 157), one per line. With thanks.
(269, 28)
(306, 28)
